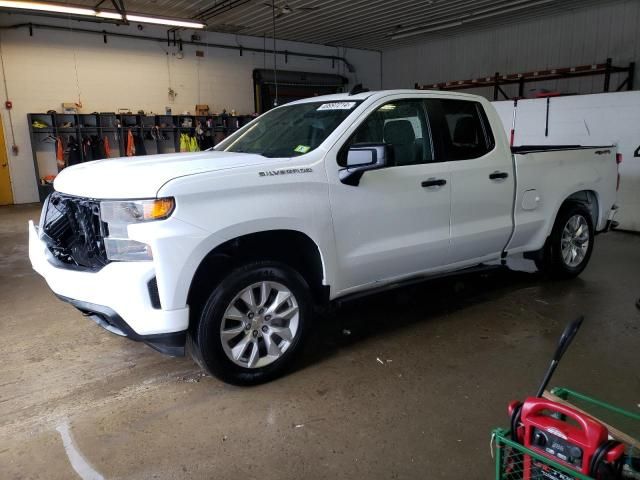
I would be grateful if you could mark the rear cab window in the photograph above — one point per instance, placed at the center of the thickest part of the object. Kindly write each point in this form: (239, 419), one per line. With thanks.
(464, 129)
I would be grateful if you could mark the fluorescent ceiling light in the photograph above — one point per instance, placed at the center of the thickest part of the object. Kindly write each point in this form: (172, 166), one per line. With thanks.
(111, 15)
(48, 7)
(471, 17)
(425, 30)
(508, 10)
(72, 10)
(165, 21)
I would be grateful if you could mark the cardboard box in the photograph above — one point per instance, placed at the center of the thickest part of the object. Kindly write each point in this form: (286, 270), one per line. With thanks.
(202, 109)
(70, 108)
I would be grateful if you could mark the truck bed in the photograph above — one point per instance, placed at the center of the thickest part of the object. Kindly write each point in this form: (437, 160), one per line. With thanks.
(546, 175)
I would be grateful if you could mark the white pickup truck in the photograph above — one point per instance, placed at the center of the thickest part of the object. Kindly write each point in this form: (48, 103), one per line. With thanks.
(229, 250)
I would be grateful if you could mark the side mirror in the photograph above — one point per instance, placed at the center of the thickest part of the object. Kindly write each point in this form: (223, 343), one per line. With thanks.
(361, 158)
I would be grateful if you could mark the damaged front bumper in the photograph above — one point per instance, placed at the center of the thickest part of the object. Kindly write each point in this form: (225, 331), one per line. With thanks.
(124, 287)
(172, 344)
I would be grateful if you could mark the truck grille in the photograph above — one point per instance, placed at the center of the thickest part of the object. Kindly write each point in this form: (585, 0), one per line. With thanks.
(73, 231)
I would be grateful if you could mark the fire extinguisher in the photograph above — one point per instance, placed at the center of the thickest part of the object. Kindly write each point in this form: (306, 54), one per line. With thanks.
(563, 434)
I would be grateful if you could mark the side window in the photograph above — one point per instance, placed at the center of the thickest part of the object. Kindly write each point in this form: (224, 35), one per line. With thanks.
(467, 132)
(402, 125)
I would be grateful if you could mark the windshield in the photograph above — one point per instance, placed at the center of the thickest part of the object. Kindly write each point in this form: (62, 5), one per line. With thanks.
(291, 130)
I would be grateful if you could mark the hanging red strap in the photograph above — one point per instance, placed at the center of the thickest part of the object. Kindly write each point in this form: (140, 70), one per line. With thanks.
(107, 147)
(60, 154)
(131, 149)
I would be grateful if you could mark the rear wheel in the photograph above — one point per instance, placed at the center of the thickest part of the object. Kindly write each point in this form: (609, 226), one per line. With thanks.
(254, 323)
(568, 248)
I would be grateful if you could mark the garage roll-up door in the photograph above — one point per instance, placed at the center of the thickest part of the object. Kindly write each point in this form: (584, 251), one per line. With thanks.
(291, 86)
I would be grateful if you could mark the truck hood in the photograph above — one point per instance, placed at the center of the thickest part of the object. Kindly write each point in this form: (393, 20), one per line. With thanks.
(142, 177)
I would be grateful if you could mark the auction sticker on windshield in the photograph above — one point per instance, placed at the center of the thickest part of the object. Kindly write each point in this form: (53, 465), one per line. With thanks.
(302, 149)
(337, 106)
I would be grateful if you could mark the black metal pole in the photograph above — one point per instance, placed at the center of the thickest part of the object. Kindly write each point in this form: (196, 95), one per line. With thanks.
(185, 42)
(546, 126)
(521, 88)
(607, 75)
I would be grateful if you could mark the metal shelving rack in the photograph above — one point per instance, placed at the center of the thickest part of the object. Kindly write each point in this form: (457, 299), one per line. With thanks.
(521, 79)
(115, 127)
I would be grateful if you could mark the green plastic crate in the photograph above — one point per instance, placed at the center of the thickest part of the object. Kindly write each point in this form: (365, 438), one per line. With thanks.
(510, 461)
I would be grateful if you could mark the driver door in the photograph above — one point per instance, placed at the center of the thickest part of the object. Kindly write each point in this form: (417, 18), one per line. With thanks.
(395, 222)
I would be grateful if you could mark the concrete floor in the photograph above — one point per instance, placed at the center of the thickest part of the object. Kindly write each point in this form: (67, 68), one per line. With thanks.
(453, 353)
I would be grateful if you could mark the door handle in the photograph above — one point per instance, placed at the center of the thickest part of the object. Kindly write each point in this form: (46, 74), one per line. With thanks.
(434, 182)
(498, 175)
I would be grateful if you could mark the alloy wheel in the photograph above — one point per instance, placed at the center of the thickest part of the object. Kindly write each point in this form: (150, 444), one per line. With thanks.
(259, 324)
(574, 242)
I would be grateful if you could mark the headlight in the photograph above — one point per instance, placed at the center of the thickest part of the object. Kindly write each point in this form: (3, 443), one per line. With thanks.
(118, 215)
(136, 211)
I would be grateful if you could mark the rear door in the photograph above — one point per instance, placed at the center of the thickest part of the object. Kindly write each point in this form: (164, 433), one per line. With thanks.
(482, 179)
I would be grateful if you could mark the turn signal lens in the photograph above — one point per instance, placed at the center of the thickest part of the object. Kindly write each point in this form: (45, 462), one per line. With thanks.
(158, 209)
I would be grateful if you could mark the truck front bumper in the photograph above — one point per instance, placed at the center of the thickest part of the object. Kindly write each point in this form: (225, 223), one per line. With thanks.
(117, 297)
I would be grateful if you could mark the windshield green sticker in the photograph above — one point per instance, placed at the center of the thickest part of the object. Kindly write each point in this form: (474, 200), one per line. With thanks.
(302, 149)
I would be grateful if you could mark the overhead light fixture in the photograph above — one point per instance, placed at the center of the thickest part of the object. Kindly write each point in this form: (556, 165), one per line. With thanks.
(509, 9)
(420, 31)
(110, 15)
(48, 7)
(165, 21)
(89, 12)
(473, 16)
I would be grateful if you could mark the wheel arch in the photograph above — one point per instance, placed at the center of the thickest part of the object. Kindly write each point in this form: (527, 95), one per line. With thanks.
(291, 247)
(589, 198)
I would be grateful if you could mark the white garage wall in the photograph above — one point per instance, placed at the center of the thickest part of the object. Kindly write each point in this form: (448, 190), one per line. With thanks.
(129, 73)
(583, 37)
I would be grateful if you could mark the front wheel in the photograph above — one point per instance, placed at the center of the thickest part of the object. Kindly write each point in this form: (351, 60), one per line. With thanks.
(254, 323)
(568, 248)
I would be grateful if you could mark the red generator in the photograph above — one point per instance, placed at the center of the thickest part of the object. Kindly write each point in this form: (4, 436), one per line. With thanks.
(569, 437)
(563, 434)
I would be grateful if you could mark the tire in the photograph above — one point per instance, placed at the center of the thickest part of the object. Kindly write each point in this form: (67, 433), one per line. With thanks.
(245, 339)
(573, 259)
